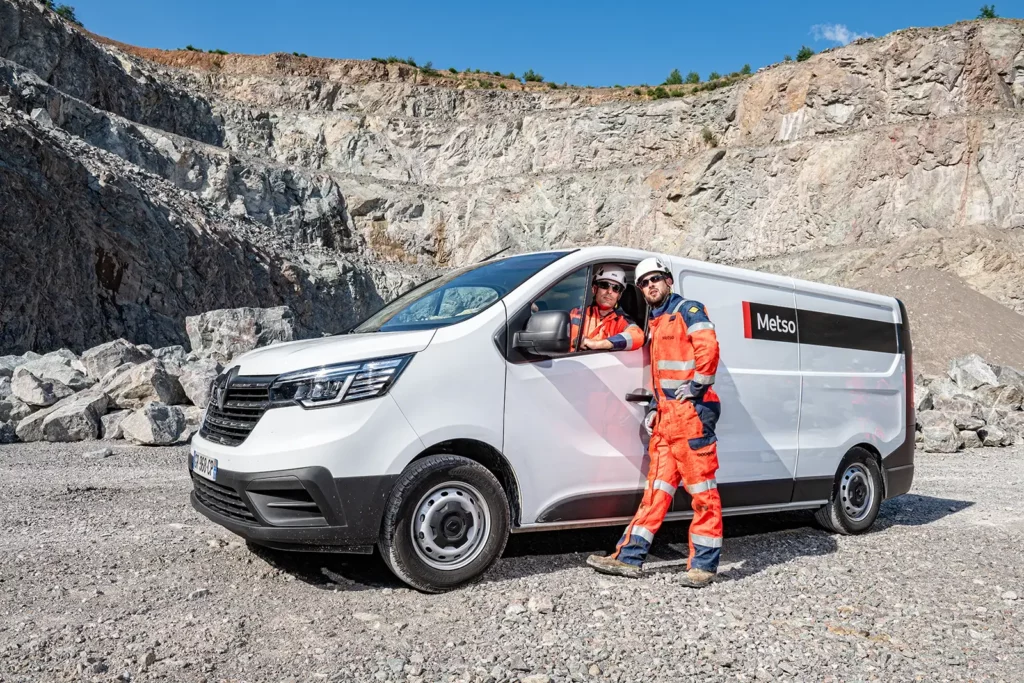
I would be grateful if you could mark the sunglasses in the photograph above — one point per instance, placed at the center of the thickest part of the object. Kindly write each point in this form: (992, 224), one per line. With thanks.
(617, 288)
(648, 280)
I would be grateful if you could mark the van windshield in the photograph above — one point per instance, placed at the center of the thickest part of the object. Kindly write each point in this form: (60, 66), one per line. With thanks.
(457, 295)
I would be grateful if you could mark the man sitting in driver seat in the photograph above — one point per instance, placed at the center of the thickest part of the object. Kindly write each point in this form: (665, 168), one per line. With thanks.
(605, 325)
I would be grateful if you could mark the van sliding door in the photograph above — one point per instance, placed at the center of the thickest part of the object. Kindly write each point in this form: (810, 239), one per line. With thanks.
(758, 380)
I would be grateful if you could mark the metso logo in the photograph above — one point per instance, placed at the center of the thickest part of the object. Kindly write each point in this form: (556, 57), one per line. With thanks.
(776, 324)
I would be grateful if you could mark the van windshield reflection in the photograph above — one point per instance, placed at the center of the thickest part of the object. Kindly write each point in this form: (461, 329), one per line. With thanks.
(457, 295)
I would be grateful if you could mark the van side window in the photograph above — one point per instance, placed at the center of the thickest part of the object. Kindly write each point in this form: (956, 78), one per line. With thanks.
(568, 294)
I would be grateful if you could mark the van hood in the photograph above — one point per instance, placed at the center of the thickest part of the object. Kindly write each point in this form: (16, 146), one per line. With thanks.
(278, 359)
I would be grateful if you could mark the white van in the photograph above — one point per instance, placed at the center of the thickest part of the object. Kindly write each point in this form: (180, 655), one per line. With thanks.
(456, 415)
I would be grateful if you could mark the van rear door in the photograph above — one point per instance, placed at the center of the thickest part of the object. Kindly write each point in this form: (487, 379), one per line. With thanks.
(852, 374)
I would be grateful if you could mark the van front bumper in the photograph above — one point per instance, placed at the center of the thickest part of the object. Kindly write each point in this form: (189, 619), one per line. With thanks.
(296, 509)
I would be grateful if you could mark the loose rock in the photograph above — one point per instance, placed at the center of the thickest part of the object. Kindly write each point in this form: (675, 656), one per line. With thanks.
(110, 424)
(37, 392)
(942, 439)
(133, 387)
(971, 439)
(992, 435)
(155, 424)
(75, 418)
(226, 333)
(971, 372)
(60, 366)
(196, 378)
(101, 359)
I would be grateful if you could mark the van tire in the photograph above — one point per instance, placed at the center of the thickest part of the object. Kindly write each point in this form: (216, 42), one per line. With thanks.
(479, 490)
(846, 512)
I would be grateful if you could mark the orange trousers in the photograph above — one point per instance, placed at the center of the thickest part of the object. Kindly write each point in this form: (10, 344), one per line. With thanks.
(684, 449)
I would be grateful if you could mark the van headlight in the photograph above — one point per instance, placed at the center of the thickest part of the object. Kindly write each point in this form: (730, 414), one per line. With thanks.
(333, 384)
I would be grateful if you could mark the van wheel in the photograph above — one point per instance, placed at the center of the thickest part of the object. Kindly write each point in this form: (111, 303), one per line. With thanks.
(447, 522)
(856, 495)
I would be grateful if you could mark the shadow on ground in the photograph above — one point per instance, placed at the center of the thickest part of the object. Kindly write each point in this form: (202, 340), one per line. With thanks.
(752, 544)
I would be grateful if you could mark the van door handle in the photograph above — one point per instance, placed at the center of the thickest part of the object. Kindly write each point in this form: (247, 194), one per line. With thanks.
(639, 396)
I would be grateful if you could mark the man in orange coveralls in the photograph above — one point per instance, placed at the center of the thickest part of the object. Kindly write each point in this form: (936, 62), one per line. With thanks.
(684, 359)
(605, 325)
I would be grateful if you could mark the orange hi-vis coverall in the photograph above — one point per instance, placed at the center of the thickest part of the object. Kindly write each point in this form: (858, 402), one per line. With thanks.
(684, 359)
(616, 327)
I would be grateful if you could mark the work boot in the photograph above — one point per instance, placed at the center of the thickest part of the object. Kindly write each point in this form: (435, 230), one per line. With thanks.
(609, 565)
(696, 578)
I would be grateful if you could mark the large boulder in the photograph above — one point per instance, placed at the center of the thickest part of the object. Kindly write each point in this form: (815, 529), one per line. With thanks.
(930, 418)
(961, 405)
(967, 421)
(5, 387)
(991, 435)
(8, 364)
(99, 360)
(155, 424)
(195, 379)
(133, 386)
(13, 409)
(1007, 397)
(1013, 423)
(174, 358)
(923, 399)
(226, 333)
(971, 439)
(75, 418)
(57, 367)
(36, 391)
(1010, 376)
(193, 420)
(971, 372)
(941, 438)
(110, 424)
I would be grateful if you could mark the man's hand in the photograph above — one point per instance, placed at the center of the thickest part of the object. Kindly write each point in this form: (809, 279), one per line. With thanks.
(596, 344)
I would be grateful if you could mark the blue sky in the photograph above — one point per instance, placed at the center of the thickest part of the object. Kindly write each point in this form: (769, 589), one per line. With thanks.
(584, 43)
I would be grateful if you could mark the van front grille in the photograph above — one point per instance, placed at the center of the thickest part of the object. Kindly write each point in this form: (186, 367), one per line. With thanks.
(245, 401)
(222, 499)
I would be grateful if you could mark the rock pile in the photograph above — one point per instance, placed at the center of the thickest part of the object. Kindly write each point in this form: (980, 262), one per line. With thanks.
(976, 404)
(119, 390)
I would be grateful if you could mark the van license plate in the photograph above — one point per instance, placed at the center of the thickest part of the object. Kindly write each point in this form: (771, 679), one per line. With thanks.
(204, 465)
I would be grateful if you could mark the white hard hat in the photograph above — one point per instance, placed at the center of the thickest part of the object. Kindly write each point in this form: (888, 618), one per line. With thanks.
(612, 273)
(650, 265)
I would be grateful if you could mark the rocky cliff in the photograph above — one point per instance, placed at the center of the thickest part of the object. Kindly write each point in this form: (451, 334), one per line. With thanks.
(354, 179)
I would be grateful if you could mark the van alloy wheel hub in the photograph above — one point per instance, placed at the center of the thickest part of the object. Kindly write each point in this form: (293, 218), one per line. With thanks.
(451, 525)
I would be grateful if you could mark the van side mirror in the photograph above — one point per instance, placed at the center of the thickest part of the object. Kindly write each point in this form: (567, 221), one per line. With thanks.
(546, 334)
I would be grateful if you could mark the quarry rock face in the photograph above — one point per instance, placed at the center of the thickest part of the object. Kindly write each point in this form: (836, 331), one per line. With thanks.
(329, 186)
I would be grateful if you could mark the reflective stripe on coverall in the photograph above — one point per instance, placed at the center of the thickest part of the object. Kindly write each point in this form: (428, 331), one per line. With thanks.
(616, 327)
(684, 359)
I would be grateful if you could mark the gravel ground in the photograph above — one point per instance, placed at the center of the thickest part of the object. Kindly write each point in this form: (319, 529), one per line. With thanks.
(106, 573)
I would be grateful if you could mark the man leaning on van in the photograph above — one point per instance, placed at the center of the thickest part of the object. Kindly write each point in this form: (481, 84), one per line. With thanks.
(684, 360)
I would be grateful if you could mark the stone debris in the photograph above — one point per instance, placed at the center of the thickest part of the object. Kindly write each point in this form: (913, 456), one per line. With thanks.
(111, 424)
(101, 359)
(976, 404)
(223, 334)
(133, 387)
(37, 392)
(155, 424)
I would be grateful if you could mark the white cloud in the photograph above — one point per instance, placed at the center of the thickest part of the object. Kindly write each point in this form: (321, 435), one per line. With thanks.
(837, 33)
